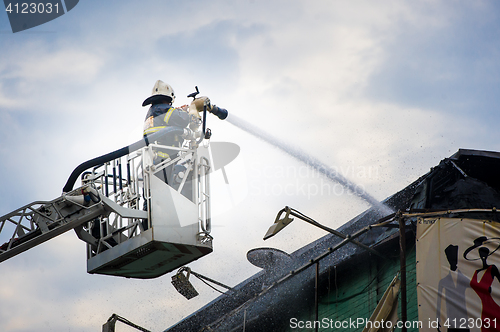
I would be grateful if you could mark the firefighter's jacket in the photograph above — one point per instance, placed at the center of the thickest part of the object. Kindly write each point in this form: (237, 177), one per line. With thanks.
(160, 116)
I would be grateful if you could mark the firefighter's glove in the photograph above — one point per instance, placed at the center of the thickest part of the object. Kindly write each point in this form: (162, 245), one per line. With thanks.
(199, 102)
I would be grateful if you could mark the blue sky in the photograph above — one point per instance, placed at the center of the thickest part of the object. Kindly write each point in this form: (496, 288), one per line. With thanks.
(382, 91)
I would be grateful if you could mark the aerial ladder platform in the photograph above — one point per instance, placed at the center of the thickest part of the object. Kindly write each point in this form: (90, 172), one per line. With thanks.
(134, 223)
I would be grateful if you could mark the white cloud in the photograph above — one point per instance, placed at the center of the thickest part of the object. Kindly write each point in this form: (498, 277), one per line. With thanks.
(302, 71)
(69, 65)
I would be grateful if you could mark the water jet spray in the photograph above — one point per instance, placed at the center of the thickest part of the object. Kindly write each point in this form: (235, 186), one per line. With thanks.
(311, 161)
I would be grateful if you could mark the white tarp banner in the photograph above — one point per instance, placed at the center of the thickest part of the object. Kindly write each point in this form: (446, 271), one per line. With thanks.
(458, 280)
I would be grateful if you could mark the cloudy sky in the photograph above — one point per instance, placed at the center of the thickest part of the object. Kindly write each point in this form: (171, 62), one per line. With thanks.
(381, 91)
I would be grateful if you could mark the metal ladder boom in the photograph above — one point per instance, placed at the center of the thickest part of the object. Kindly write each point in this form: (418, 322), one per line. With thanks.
(41, 221)
(120, 211)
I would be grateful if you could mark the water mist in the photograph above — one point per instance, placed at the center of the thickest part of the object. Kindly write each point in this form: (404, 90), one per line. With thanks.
(310, 161)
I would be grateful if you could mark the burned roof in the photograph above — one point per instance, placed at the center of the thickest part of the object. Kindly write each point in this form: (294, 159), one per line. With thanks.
(469, 178)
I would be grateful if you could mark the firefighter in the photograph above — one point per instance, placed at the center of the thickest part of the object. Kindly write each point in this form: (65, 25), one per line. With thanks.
(160, 115)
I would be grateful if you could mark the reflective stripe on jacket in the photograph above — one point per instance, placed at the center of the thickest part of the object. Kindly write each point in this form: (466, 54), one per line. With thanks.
(160, 116)
(157, 118)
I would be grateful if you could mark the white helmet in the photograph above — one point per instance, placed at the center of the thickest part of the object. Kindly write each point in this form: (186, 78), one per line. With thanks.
(160, 91)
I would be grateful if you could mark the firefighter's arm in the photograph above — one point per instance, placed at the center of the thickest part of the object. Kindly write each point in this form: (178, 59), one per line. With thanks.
(178, 118)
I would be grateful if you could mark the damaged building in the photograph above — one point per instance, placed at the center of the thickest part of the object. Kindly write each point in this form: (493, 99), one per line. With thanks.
(362, 271)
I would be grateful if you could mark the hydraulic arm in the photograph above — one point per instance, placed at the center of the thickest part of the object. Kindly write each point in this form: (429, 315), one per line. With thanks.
(38, 222)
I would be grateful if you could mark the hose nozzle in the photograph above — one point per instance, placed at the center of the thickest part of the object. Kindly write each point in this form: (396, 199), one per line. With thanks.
(221, 113)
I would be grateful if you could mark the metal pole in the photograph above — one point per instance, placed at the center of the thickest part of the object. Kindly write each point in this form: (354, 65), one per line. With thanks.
(305, 218)
(109, 326)
(402, 260)
(316, 297)
(114, 178)
(200, 276)
(244, 319)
